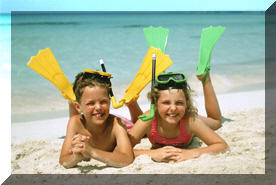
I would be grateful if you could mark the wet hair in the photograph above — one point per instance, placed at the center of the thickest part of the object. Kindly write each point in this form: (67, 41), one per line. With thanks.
(191, 110)
(82, 81)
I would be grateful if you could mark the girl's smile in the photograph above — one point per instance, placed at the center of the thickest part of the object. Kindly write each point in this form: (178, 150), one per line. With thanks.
(171, 105)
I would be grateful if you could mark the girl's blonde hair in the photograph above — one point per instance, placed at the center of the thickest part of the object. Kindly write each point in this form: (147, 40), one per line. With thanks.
(81, 82)
(191, 110)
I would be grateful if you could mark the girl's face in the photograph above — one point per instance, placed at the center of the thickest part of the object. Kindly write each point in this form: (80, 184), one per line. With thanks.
(95, 104)
(171, 105)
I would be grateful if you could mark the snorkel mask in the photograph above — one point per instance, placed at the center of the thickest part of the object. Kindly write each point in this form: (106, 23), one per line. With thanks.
(165, 81)
(101, 76)
(171, 80)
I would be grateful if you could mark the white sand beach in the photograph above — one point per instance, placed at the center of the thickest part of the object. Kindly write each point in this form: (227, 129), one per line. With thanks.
(36, 145)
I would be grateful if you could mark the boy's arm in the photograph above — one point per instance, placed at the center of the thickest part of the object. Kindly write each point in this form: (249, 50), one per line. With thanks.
(67, 158)
(72, 110)
(122, 155)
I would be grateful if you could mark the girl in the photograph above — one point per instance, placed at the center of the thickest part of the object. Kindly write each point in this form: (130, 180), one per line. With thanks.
(92, 132)
(176, 121)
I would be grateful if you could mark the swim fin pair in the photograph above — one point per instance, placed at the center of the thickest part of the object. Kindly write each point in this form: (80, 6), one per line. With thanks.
(209, 37)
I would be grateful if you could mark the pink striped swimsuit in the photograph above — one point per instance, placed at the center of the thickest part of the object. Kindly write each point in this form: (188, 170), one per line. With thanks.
(157, 141)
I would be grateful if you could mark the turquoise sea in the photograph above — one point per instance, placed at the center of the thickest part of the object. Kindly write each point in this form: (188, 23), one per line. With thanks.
(78, 40)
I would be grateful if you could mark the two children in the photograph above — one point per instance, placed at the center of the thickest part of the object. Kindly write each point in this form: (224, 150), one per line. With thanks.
(93, 132)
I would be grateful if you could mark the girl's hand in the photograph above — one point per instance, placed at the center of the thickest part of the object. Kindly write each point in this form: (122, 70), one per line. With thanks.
(183, 154)
(164, 154)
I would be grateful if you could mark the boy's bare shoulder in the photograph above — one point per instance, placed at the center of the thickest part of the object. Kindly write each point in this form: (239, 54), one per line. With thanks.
(118, 122)
(76, 122)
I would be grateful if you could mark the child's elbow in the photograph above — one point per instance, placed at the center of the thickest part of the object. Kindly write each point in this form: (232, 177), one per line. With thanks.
(225, 146)
(60, 161)
(127, 161)
(217, 125)
(130, 160)
(66, 164)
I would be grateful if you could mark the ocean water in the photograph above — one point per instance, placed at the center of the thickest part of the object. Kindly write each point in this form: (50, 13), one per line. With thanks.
(5, 49)
(79, 40)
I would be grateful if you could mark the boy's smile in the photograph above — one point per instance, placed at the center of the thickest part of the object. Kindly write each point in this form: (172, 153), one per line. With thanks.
(95, 104)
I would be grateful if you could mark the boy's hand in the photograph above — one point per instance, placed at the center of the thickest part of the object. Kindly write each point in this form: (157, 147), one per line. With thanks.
(81, 146)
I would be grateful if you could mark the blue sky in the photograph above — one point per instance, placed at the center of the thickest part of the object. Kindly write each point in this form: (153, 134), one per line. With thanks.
(6, 6)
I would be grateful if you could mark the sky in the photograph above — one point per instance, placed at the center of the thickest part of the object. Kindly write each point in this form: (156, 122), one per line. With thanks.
(6, 6)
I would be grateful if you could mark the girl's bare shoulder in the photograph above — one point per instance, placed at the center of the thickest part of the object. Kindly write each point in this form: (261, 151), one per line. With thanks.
(190, 123)
(195, 124)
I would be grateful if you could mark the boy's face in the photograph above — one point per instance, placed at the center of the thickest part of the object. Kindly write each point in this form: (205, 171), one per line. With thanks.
(171, 106)
(95, 104)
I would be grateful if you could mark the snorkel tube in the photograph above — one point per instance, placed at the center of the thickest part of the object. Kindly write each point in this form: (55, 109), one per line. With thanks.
(144, 117)
(113, 100)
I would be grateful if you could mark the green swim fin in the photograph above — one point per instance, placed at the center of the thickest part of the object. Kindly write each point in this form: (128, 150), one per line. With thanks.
(209, 37)
(156, 37)
(45, 64)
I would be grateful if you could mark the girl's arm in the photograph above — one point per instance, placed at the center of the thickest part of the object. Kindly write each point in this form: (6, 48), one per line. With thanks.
(139, 130)
(214, 142)
(134, 110)
(159, 155)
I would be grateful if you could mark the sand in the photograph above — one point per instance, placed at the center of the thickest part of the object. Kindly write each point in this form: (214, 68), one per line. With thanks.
(36, 145)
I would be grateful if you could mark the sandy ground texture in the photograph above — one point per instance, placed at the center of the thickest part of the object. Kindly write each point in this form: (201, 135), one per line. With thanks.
(243, 129)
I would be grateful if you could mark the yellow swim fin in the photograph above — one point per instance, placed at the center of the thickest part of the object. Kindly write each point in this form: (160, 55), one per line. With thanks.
(45, 64)
(144, 75)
